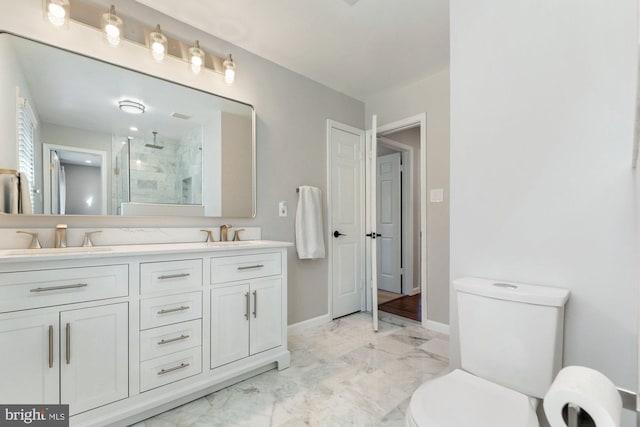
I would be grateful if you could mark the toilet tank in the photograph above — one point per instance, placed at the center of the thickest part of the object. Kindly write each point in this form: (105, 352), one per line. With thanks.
(511, 333)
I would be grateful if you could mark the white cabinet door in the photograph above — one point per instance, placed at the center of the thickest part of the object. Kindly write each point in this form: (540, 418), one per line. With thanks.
(29, 359)
(266, 315)
(94, 353)
(230, 311)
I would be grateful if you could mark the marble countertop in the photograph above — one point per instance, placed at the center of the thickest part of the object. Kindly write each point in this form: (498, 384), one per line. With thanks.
(47, 254)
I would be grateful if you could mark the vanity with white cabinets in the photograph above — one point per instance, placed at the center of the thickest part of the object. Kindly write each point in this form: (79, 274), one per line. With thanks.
(124, 332)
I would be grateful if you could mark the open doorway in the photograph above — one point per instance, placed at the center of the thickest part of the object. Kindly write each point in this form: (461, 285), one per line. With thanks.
(398, 222)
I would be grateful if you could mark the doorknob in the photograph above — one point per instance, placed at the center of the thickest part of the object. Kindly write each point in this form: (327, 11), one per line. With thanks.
(337, 234)
(373, 235)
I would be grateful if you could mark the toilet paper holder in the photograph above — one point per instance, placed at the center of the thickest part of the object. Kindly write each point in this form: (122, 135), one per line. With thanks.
(576, 417)
(572, 415)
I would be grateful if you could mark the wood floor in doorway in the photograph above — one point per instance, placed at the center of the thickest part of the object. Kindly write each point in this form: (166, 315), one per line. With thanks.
(409, 306)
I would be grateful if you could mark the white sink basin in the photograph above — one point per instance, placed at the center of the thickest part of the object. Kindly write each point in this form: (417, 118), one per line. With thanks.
(53, 251)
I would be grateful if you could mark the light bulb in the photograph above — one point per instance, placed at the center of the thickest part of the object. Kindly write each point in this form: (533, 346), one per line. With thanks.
(229, 76)
(158, 44)
(57, 12)
(196, 57)
(229, 70)
(112, 26)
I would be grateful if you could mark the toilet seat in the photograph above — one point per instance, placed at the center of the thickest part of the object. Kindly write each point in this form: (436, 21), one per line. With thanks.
(460, 399)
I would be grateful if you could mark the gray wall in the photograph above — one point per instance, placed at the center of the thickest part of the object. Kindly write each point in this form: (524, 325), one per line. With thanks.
(291, 131)
(430, 96)
(542, 114)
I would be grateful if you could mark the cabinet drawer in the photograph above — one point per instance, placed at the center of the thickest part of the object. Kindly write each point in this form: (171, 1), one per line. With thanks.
(170, 309)
(167, 369)
(165, 275)
(43, 288)
(169, 339)
(242, 267)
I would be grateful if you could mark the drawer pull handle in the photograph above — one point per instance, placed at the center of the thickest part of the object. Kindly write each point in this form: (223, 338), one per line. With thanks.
(250, 267)
(68, 343)
(172, 310)
(180, 338)
(173, 276)
(175, 368)
(50, 346)
(58, 288)
(246, 310)
(255, 304)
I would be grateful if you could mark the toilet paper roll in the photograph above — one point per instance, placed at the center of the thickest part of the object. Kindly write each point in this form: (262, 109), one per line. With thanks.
(587, 388)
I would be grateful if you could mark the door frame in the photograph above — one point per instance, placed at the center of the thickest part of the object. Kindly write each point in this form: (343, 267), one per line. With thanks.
(46, 173)
(407, 155)
(406, 123)
(332, 124)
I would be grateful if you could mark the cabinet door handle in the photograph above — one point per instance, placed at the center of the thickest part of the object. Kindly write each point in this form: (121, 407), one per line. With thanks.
(255, 304)
(172, 310)
(175, 368)
(58, 288)
(250, 267)
(173, 276)
(180, 338)
(68, 340)
(246, 309)
(50, 346)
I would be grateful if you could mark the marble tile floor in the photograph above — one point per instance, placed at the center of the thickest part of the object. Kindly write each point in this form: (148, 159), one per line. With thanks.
(342, 374)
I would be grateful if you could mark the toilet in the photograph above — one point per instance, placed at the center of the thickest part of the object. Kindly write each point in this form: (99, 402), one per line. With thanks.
(510, 349)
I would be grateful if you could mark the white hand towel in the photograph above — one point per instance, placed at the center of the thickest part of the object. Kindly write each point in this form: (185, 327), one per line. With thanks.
(309, 231)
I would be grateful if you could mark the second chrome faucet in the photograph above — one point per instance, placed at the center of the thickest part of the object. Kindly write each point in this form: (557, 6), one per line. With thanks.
(223, 232)
(61, 236)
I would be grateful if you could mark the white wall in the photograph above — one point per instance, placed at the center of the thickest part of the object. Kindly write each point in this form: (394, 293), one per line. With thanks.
(542, 114)
(291, 130)
(430, 95)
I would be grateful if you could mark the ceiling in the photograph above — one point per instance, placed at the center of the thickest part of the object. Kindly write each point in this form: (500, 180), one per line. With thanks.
(358, 48)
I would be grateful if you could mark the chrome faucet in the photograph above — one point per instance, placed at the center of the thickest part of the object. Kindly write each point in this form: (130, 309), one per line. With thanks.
(223, 232)
(236, 234)
(35, 243)
(61, 236)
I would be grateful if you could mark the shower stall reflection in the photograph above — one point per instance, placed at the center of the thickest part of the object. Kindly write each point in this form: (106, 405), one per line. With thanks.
(158, 170)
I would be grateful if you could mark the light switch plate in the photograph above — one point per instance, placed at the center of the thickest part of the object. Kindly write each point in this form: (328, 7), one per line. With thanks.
(282, 208)
(436, 195)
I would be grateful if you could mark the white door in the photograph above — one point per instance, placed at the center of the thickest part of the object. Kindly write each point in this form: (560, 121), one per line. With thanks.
(372, 247)
(346, 207)
(230, 311)
(29, 355)
(388, 215)
(265, 329)
(94, 366)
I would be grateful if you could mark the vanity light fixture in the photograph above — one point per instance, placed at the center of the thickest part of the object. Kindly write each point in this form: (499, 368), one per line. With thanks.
(131, 107)
(229, 70)
(112, 27)
(157, 44)
(57, 12)
(196, 57)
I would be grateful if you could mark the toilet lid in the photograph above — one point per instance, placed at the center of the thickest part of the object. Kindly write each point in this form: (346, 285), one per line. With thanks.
(461, 399)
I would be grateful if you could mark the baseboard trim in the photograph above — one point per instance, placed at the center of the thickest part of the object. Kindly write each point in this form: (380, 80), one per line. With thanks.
(309, 323)
(414, 291)
(437, 326)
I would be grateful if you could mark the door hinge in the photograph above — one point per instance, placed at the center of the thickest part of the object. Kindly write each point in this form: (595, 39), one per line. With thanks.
(51, 166)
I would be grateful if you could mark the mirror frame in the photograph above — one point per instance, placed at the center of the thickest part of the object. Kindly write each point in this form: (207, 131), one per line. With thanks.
(254, 181)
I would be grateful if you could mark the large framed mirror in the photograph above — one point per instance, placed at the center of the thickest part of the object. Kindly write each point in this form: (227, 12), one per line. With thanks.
(92, 138)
